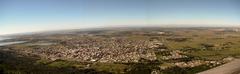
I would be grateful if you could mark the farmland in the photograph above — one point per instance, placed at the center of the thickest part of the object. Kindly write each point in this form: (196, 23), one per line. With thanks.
(122, 51)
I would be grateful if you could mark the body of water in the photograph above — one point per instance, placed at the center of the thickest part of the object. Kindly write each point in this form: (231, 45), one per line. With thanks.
(3, 38)
(9, 43)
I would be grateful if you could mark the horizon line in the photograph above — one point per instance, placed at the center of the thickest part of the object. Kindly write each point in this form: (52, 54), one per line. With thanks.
(122, 26)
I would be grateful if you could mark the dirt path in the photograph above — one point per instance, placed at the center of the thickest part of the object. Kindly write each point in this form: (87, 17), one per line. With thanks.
(229, 68)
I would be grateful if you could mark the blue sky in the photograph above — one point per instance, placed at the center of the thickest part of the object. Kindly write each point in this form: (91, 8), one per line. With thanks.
(18, 16)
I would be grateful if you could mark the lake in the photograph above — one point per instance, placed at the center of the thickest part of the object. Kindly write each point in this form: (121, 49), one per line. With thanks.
(3, 38)
(9, 43)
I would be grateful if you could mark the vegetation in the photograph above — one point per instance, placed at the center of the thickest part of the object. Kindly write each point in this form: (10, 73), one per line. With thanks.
(180, 51)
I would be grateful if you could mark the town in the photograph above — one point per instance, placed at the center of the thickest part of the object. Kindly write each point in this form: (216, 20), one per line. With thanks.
(190, 50)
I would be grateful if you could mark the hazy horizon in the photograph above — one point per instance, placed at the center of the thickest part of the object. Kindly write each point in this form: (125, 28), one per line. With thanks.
(46, 15)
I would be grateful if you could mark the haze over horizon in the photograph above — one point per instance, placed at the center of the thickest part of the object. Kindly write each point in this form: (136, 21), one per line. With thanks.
(19, 16)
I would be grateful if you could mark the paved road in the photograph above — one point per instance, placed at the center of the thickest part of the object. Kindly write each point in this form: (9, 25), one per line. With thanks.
(229, 68)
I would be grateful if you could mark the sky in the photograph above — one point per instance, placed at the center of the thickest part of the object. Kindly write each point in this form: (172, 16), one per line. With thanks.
(18, 16)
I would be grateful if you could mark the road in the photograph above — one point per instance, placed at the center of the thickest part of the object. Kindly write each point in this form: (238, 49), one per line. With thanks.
(228, 68)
